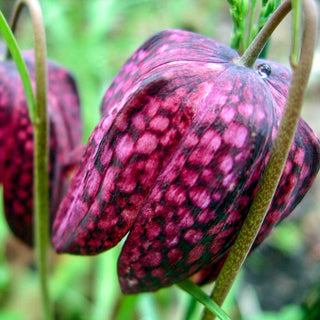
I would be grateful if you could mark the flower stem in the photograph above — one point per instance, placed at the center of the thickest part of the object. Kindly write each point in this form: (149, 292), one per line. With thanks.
(41, 134)
(278, 155)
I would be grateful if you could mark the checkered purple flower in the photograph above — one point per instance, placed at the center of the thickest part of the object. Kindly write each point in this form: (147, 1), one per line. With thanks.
(16, 142)
(176, 160)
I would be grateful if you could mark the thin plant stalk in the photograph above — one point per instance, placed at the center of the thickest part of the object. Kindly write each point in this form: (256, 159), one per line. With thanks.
(278, 156)
(41, 153)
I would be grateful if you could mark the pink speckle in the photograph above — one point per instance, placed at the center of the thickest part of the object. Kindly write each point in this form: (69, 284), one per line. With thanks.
(259, 116)
(247, 93)
(234, 98)
(235, 135)
(305, 171)
(159, 123)
(124, 147)
(25, 179)
(193, 236)
(293, 180)
(139, 272)
(28, 146)
(174, 256)
(189, 177)
(152, 107)
(18, 208)
(226, 164)
(108, 186)
(147, 143)
(153, 230)
(229, 182)
(168, 137)
(186, 217)
(142, 54)
(207, 175)
(93, 182)
(127, 183)
(158, 272)
(170, 228)
(23, 194)
(175, 194)
(216, 196)
(155, 193)
(129, 215)
(121, 122)
(206, 216)
(245, 109)
(163, 48)
(172, 235)
(200, 197)
(211, 139)
(287, 167)
(200, 156)
(21, 135)
(227, 114)
(138, 122)
(172, 103)
(152, 259)
(299, 157)
(217, 99)
(191, 140)
(195, 253)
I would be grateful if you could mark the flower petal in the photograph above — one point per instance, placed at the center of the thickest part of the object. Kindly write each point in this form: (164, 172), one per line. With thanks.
(65, 134)
(184, 220)
(125, 154)
(162, 49)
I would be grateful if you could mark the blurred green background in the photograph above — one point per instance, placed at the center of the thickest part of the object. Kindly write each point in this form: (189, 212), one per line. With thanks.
(93, 39)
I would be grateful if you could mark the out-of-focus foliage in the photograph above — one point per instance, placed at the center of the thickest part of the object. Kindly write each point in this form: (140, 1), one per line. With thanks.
(93, 39)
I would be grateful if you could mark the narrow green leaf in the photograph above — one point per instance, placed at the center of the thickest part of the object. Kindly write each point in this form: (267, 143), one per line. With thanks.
(21, 66)
(203, 298)
(296, 22)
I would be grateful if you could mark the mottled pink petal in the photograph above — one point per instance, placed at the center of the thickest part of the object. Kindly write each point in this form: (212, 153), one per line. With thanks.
(209, 154)
(125, 161)
(176, 160)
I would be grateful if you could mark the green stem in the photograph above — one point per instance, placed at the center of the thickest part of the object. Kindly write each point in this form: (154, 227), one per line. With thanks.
(41, 134)
(277, 159)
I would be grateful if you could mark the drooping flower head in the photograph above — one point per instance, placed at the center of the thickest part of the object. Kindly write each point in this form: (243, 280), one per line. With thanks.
(176, 160)
(16, 141)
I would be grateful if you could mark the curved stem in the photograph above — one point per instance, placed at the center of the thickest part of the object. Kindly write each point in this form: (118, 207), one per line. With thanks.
(200, 296)
(252, 53)
(276, 162)
(13, 49)
(41, 133)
